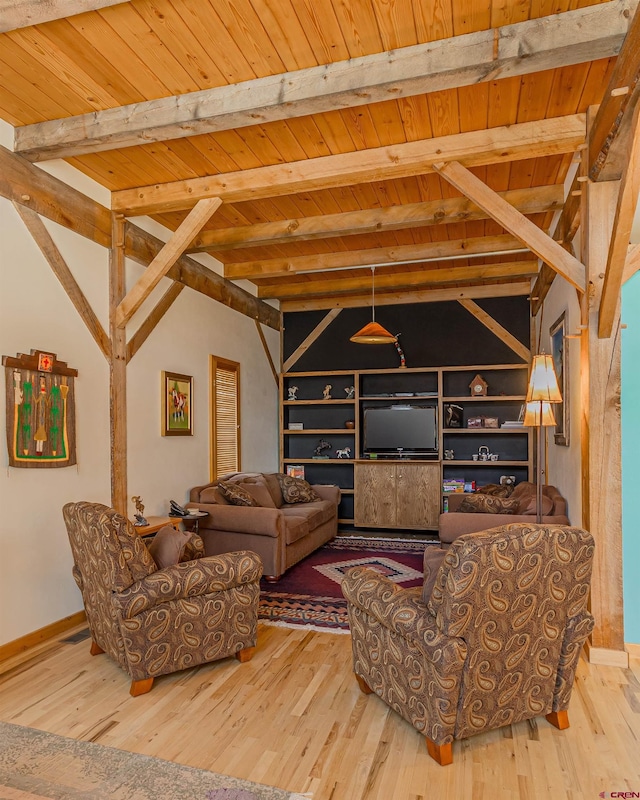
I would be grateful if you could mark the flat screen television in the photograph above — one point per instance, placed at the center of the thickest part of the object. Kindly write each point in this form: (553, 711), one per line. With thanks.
(402, 430)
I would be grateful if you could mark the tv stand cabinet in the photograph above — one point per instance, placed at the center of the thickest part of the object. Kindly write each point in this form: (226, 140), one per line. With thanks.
(397, 494)
(402, 492)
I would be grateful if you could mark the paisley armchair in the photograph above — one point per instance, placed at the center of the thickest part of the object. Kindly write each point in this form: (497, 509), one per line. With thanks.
(153, 622)
(496, 640)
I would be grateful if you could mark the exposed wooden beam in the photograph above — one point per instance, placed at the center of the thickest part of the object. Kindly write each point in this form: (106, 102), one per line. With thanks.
(619, 244)
(515, 289)
(612, 130)
(158, 312)
(496, 328)
(267, 352)
(28, 185)
(512, 220)
(472, 148)
(310, 339)
(534, 200)
(15, 14)
(533, 45)
(430, 251)
(632, 264)
(143, 248)
(117, 371)
(61, 270)
(399, 280)
(166, 258)
(31, 186)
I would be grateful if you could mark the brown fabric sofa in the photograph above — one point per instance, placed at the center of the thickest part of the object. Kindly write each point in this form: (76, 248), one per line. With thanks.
(454, 523)
(280, 533)
(155, 621)
(495, 641)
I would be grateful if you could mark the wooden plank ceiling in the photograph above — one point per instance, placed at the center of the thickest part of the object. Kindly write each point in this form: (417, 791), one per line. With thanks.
(328, 183)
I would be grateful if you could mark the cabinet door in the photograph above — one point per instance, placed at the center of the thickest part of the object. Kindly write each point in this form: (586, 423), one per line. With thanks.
(417, 495)
(375, 495)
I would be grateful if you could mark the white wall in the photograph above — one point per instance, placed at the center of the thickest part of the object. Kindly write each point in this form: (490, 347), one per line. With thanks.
(36, 587)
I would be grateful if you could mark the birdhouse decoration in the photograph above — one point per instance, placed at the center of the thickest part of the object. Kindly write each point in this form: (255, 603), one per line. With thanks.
(478, 387)
(40, 410)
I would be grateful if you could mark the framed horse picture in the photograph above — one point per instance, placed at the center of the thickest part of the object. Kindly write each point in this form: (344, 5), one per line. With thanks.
(177, 404)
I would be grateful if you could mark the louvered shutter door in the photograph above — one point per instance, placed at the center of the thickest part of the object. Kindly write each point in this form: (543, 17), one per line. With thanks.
(226, 419)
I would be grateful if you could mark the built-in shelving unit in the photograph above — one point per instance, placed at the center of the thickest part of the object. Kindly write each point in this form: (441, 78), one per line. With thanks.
(403, 492)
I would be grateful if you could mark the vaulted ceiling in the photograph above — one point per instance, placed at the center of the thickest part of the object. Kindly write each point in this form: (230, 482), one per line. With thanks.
(430, 138)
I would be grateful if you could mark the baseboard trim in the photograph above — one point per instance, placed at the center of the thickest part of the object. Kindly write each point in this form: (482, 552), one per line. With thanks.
(632, 649)
(605, 657)
(18, 646)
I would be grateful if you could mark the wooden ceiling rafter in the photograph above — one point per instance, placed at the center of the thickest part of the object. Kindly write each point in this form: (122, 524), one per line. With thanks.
(536, 199)
(403, 254)
(524, 140)
(16, 14)
(533, 45)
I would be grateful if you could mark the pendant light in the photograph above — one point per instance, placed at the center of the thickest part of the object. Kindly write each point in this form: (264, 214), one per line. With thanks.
(373, 333)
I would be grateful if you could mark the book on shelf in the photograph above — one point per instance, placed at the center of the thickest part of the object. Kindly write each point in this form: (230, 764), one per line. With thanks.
(295, 470)
(512, 423)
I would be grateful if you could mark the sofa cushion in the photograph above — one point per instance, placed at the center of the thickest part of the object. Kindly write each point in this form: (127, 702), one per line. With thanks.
(168, 546)
(528, 505)
(236, 494)
(296, 490)
(271, 479)
(433, 558)
(212, 495)
(316, 513)
(260, 493)
(295, 527)
(488, 504)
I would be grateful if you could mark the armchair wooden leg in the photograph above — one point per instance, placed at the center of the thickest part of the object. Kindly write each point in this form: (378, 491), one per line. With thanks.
(560, 719)
(140, 687)
(364, 686)
(271, 578)
(442, 753)
(246, 654)
(96, 650)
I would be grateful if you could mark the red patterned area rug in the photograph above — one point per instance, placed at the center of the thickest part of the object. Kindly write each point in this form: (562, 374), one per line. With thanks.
(309, 594)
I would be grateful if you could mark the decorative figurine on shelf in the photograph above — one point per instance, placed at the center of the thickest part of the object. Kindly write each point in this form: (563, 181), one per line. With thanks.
(351, 392)
(344, 453)
(326, 394)
(448, 454)
(478, 387)
(292, 390)
(140, 518)
(400, 352)
(321, 449)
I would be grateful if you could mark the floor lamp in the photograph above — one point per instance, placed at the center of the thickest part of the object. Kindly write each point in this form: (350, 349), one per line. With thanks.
(543, 390)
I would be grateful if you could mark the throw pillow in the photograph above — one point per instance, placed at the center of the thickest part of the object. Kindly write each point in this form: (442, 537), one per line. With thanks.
(296, 490)
(236, 494)
(487, 504)
(496, 490)
(168, 546)
(260, 494)
(433, 558)
(212, 495)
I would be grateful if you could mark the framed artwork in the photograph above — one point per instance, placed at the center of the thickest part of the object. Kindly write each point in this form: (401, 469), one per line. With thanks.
(177, 404)
(559, 354)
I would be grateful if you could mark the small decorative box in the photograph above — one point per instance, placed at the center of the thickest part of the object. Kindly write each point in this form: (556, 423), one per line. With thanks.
(474, 422)
(491, 422)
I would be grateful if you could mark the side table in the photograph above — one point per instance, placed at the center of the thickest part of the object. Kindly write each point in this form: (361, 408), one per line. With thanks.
(155, 523)
(193, 519)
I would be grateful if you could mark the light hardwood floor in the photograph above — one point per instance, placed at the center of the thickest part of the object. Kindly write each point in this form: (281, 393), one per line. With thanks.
(294, 717)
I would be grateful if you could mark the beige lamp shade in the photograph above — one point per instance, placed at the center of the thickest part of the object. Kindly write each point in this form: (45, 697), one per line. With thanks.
(373, 333)
(543, 383)
(532, 414)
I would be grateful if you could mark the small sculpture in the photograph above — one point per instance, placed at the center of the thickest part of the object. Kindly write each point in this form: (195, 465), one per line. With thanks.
(326, 394)
(344, 453)
(139, 517)
(321, 448)
(351, 392)
(292, 392)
